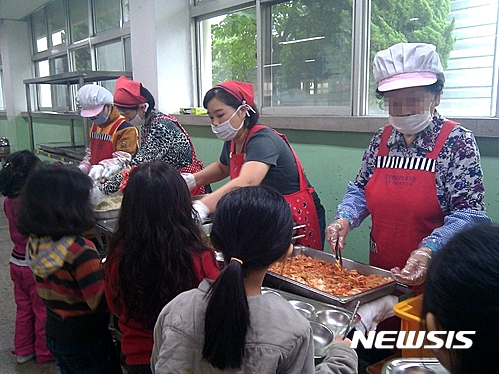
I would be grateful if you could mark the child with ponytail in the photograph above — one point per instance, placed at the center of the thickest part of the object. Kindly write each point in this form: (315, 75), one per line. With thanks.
(228, 325)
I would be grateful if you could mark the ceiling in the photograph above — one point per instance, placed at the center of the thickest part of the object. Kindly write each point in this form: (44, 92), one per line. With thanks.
(18, 9)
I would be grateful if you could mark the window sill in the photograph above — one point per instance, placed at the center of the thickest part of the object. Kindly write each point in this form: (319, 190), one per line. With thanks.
(481, 127)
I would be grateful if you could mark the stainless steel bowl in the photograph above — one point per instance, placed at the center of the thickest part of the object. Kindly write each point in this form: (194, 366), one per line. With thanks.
(306, 309)
(323, 338)
(111, 201)
(413, 366)
(334, 319)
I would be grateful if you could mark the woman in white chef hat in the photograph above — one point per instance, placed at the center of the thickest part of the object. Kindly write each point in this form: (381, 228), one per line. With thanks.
(113, 140)
(420, 178)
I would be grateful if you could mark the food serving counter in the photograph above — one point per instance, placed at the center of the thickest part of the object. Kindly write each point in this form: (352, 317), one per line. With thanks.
(107, 220)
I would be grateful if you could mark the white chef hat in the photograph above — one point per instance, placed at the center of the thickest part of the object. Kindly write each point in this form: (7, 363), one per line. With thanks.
(92, 98)
(406, 65)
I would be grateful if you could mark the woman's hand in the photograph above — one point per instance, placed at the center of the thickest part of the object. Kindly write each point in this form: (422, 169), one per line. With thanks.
(339, 339)
(337, 231)
(96, 172)
(415, 270)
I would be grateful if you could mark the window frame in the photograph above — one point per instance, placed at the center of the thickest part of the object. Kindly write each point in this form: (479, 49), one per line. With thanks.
(65, 50)
(361, 64)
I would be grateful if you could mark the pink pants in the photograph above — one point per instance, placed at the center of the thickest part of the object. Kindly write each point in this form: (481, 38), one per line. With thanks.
(29, 335)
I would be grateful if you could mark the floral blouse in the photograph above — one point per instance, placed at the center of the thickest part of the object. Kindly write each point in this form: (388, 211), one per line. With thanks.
(160, 140)
(458, 174)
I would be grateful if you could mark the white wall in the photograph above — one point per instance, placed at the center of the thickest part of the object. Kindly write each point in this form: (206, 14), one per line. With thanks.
(161, 51)
(16, 62)
(143, 41)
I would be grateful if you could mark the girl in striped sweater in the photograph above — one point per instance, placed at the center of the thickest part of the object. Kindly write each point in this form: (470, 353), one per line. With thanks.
(55, 210)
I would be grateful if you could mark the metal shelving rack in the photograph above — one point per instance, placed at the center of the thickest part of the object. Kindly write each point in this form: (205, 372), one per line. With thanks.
(68, 79)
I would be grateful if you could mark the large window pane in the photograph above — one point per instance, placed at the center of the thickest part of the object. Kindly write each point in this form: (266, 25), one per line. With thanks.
(110, 56)
(59, 92)
(39, 26)
(128, 54)
(465, 36)
(107, 14)
(82, 60)
(44, 96)
(228, 48)
(307, 58)
(56, 22)
(78, 14)
(59, 65)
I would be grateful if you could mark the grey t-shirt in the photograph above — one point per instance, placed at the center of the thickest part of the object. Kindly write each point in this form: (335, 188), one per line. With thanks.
(269, 148)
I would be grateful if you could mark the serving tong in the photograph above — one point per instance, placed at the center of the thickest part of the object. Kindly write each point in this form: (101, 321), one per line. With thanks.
(350, 321)
(337, 252)
(294, 238)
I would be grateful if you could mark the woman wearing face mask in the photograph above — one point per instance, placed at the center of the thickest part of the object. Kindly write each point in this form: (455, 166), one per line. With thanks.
(420, 178)
(112, 139)
(162, 138)
(254, 154)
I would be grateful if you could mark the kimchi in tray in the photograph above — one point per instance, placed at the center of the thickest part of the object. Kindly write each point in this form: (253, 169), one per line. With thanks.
(317, 275)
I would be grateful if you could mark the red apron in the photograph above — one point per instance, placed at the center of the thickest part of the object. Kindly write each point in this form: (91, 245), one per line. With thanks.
(401, 197)
(301, 202)
(101, 142)
(196, 165)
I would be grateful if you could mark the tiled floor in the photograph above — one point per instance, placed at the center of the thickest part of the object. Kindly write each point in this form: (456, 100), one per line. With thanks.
(8, 364)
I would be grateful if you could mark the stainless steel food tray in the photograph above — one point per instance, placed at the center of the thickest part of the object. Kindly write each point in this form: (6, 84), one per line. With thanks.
(413, 366)
(280, 282)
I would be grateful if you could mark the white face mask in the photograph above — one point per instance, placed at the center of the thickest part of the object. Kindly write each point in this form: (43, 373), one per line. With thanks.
(138, 121)
(225, 131)
(412, 124)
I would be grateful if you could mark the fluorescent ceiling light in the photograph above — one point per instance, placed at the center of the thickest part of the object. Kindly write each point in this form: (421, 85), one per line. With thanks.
(303, 40)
